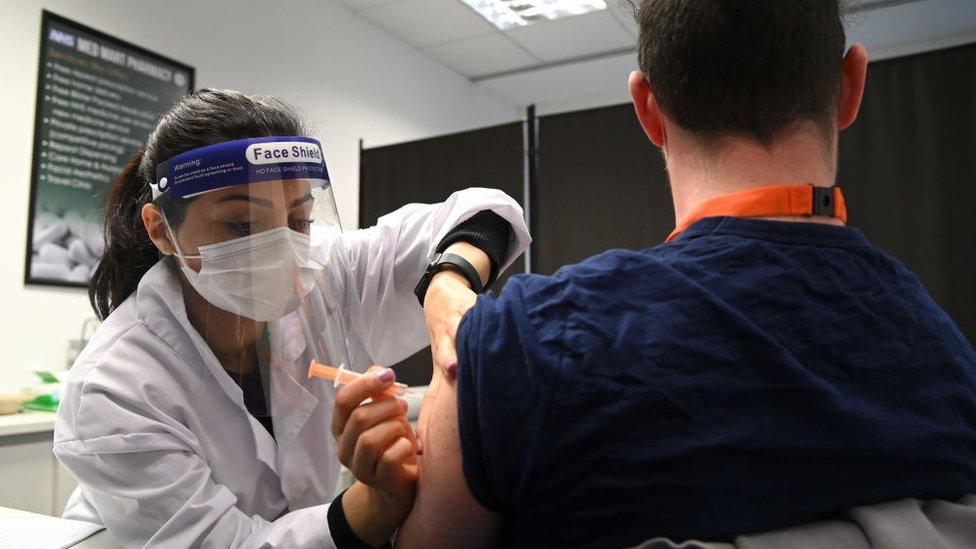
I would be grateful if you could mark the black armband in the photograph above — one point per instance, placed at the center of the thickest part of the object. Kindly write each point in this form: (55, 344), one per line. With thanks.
(486, 231)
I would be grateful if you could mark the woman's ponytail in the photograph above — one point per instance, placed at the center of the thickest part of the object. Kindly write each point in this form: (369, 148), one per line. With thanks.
(129, 253)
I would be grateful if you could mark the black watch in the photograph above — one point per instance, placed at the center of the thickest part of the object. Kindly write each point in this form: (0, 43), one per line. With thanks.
(437, 264)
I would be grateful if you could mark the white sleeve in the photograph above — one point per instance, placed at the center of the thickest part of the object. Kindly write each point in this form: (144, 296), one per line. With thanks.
(150, 490)
(388, 259)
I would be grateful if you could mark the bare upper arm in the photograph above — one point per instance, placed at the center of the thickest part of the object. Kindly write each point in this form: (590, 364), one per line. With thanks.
(445, 512)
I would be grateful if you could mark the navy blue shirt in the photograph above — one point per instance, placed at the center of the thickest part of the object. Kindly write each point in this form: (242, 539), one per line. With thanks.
(749, 376)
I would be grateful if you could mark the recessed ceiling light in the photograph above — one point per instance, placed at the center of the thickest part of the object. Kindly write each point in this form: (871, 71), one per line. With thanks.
(507, 14)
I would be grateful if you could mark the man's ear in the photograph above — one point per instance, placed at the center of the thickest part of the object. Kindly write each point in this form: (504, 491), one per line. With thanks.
(152, 219)
(854, 72)
(648, 112)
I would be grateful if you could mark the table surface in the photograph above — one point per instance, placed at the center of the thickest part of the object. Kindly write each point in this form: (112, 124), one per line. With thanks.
(100, 540)
(26, 423)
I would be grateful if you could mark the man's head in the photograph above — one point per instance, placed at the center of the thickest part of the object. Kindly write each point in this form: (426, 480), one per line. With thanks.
(745, 69)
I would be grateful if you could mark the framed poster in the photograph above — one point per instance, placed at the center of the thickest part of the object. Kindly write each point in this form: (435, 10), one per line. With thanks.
(98, 98)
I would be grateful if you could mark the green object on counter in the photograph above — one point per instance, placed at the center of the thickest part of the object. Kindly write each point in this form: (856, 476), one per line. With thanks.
(46, 377)
(44, 403)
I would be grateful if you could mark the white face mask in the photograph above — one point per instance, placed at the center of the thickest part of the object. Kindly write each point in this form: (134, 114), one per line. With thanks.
(261, 276)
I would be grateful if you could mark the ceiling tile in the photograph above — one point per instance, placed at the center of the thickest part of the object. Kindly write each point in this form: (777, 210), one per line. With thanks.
(427, 22)
(359, 5)
(573, 36)
(482, 55)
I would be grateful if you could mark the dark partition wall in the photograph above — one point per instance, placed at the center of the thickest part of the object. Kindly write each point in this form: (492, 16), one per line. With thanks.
(908, 170)
(601, 185)
(429, 171)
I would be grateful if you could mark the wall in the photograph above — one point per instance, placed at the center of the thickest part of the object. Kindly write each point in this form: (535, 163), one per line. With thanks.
(350, 78)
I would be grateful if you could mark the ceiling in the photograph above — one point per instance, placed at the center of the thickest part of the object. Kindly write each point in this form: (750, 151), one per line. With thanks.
(583, 61)
(456, 35)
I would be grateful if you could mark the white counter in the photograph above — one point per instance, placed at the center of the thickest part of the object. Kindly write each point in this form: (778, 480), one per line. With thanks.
(26, 422)
(31, 477)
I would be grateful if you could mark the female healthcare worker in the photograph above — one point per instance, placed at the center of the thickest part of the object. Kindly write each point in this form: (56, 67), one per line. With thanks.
(189, 419)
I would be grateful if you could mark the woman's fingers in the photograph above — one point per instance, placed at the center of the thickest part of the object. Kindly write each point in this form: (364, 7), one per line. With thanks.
(448, 298)
(445, 353)
(373, 444)
(349, 397)
(376, 437)
(364, 418)
(397, 465)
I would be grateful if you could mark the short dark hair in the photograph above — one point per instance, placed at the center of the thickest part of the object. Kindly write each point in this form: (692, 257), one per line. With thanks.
(742, 67)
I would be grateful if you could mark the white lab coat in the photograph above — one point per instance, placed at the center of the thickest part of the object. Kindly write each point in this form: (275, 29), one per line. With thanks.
(157, 433)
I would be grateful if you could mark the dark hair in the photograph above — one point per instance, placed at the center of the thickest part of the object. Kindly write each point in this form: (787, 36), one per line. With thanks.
(202, 118)
(742, 67)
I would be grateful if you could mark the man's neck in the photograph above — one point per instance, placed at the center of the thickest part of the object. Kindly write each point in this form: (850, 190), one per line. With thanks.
(699, 174)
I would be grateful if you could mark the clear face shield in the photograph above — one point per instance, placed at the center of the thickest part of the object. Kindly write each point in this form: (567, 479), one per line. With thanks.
(257, 235)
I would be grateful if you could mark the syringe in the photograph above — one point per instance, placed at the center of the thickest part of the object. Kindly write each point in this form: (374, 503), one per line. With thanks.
(341, 376)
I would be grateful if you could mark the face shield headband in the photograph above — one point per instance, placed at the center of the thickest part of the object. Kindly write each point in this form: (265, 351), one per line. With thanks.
(240, 162)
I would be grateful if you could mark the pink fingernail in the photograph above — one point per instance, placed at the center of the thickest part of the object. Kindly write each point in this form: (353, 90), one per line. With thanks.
(386, 375)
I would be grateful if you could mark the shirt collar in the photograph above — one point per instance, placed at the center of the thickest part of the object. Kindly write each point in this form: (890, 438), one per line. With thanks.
(778, 231)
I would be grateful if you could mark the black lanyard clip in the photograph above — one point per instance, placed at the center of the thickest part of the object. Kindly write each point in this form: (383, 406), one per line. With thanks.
(823, 201)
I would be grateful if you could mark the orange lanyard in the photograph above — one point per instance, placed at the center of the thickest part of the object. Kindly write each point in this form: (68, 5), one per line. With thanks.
(780, 200)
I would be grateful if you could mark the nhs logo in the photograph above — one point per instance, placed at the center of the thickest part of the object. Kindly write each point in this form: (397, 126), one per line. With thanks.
(62, 38)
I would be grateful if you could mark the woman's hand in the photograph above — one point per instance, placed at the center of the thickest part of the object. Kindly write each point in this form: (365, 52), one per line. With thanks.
(448, 297)
(376, 443)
